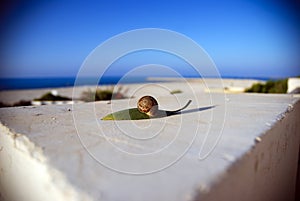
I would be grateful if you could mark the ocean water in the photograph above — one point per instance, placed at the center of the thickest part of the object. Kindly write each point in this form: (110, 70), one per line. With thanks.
(35, 83)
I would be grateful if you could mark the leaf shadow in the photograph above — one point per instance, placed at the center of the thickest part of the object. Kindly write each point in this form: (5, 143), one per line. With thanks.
(165, 113)
(196, 110)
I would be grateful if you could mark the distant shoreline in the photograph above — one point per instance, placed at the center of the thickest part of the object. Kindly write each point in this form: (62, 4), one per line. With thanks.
(206, 85)
(58, 82)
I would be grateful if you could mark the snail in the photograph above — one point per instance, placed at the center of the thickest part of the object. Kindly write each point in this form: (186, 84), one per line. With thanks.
(149, 106)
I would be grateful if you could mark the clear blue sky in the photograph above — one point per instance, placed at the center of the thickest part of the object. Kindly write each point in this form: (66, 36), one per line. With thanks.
(243, 37)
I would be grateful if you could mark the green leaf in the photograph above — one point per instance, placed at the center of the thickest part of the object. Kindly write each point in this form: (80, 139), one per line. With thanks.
(135, 114)
(128, 114)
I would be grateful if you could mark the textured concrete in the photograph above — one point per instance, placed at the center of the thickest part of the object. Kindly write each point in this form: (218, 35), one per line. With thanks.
(232, 149)
(269, 170)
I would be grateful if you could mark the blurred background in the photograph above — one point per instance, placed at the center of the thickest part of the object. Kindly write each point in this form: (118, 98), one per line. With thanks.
(42, 41)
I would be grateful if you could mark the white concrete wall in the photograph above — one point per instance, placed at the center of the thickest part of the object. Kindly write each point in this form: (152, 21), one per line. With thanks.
(268, 171)
(42, 158)
(25, 174)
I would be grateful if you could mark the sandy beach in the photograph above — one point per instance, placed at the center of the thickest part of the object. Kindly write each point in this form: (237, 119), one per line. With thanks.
(163, 88)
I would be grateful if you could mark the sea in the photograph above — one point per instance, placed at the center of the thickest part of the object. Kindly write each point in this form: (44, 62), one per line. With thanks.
(56, 82)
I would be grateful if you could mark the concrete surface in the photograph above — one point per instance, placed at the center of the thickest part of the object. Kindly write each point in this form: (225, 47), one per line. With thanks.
(245, 146)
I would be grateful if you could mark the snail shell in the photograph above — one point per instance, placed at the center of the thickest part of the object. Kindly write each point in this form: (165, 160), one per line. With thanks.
(148, 105)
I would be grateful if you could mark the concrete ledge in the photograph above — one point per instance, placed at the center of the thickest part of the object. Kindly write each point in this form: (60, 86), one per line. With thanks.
(25, 174)
(269, 170)
(42, 158)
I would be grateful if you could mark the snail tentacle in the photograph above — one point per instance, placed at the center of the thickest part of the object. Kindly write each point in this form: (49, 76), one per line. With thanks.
(178, 110)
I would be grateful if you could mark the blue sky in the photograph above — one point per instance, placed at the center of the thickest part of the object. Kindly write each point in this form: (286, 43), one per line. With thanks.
(258, 38)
